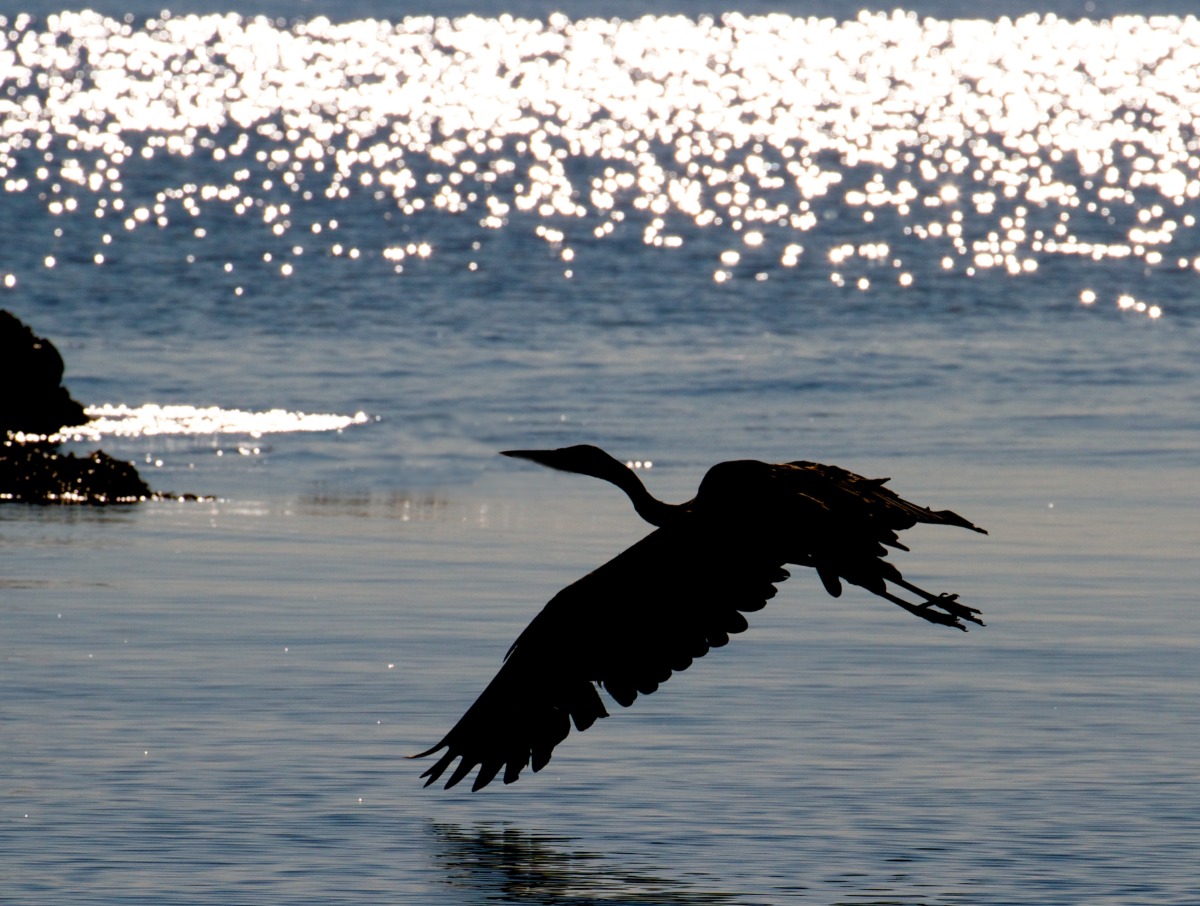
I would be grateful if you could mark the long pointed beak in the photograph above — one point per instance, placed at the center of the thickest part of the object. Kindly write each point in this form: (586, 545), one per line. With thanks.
(551, 459)
(538, 456)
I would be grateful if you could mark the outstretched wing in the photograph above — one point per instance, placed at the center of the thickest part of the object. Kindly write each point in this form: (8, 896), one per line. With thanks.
(627, 626)
(846, 523)
(865, 498)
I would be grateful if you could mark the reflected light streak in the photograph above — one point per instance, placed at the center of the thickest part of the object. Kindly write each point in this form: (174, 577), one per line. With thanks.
(153, 420)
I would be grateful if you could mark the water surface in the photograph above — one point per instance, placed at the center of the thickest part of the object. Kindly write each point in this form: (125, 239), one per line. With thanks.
(324, 270)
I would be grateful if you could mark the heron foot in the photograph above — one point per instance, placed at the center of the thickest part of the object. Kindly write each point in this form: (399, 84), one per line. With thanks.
(948, 603)
(942, 609)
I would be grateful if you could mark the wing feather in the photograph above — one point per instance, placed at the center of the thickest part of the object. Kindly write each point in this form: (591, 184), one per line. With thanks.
(842, 524)
(627, 627)
(841, 491)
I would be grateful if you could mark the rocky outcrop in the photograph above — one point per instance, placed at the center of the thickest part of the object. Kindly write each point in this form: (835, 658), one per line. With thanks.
(38, 473)
(32, 398)
(34, 405)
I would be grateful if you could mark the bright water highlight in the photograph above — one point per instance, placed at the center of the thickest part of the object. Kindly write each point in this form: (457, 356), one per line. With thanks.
(746, 139)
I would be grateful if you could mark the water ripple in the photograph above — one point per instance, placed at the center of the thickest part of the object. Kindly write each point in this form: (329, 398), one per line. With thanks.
(953, 148)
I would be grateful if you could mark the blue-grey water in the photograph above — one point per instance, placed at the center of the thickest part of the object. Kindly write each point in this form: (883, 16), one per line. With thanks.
(322, 268)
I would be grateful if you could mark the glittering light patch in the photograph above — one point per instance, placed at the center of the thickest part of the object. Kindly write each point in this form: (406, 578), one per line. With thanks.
(1065, 139)
(151, 420)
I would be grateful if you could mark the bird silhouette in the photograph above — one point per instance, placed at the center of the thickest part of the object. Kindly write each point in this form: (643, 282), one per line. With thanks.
(681, 590)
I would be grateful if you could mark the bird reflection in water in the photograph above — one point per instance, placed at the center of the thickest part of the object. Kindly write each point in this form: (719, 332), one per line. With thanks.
(505, 864)
(680, 591)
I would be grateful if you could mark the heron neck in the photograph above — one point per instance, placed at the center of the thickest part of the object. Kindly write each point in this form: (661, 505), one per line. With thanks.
(648, 507)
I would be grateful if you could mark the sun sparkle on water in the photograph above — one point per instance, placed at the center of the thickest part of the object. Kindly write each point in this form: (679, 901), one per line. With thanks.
(998, 146)
(152, 420)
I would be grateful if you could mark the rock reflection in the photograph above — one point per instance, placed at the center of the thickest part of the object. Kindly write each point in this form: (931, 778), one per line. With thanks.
(505, 864)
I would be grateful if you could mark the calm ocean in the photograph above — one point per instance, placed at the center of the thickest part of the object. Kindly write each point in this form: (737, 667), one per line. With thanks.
(324, 268)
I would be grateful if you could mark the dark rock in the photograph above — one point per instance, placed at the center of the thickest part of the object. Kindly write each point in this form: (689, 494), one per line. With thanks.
(32, 398)
(34, 402)
(38, 473)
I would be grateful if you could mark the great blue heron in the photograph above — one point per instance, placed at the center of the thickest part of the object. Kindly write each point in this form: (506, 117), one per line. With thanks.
(680, 591)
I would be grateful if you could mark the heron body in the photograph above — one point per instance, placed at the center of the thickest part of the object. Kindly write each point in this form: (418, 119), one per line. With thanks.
(680, 591)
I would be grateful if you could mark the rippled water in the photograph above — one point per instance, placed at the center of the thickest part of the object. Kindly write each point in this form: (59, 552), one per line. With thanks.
(323, 269)
(885, 150)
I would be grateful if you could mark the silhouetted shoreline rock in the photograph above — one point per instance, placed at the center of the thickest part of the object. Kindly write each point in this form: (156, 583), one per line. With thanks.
(35, 405)
(38, 473)
(32, 398)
